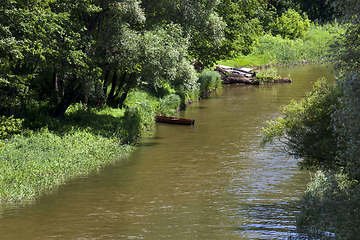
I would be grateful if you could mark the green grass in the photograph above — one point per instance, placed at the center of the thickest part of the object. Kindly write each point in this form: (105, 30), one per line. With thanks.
(49, 152)
(267, 75)
(275, 50)
(34, 163)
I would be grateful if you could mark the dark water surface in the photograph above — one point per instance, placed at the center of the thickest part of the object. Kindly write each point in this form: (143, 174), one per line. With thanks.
(208, 181)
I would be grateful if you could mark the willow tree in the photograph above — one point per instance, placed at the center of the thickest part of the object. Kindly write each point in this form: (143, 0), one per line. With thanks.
(323, 129)
(68, 50)
(347, 65)
(27, 34)
(199, 20)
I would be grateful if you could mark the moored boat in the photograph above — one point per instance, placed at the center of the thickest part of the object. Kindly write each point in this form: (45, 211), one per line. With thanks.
(175, 120)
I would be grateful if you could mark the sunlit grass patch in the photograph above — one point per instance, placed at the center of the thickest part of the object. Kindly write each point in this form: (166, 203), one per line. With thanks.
(314, 47)
(37, 162)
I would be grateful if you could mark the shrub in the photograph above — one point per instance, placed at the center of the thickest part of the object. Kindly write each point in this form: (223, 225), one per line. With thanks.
(9, 125)
(306, 129)
(209, 80)
(290, 25)
(331, 204)
(168, 105)
(267, 75)
(137, 120)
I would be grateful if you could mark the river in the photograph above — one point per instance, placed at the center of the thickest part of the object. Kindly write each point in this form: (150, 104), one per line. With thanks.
(207, 181)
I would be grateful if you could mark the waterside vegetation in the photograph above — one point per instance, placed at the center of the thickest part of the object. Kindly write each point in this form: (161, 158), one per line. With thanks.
(81, 82)
(322, 131)
(270, 50)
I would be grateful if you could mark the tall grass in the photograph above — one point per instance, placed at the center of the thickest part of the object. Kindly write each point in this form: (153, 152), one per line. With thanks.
(209, 81)
(277, 50)
(37, 161)
(267, 75)
(34, 163)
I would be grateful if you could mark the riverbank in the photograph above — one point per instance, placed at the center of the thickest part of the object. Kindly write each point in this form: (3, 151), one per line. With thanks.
(37, 161)
(275, 50)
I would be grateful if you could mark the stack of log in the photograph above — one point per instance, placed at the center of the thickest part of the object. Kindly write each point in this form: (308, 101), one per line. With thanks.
(233, 76)
(242, 75)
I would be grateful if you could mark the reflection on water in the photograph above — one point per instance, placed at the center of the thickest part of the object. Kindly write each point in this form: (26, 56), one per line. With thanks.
(208, 181)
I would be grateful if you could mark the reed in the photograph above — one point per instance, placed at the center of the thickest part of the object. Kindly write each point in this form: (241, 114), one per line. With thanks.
(313, 48)
(37, 162)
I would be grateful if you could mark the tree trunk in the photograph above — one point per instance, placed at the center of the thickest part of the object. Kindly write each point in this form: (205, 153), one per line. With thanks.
(106, 83)
(112, 95)
(69, 97)
(131, 84)
(57, 87)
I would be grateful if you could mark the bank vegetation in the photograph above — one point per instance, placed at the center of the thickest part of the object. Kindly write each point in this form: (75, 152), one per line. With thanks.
(82, 81)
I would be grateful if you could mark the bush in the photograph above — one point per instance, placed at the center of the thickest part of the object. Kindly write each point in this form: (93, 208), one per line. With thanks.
(209, 81)
(168, 105)
(137, 120)
(290, 25)
(9, 125)
(267, 75)
(330, 206)
(306, 129)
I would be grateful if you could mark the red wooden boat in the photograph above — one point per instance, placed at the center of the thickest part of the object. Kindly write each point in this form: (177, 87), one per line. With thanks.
(175, 120)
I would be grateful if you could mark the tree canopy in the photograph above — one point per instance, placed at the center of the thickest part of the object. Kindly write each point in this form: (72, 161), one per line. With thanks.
(57, 52)
(323, 129)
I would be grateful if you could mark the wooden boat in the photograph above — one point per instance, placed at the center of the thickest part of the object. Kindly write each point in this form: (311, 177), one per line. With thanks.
(175, 120)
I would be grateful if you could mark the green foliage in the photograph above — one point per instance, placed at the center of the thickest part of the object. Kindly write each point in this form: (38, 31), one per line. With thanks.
(139, 116)
(267, 75)
(331, 204)
(346, 124)
(137, 121)
(320, 10)
(306, 130)
(314, 47)
(242, 27)
(9, 125)
(209, 81)
(346, 119)
(169, 105)
(290, 25)
(200, 21)
(104, 122)
(37, 162)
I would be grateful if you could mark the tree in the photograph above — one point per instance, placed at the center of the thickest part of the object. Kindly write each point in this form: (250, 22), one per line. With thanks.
(347, 65)
(64, 51)
(306, 132)
(319, 10)
(199, 20)
(243, 26)
(324, 129)
(290, 25)
(26, 42)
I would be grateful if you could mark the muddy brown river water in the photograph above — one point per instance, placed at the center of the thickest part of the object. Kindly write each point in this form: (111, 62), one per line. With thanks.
(207, 181)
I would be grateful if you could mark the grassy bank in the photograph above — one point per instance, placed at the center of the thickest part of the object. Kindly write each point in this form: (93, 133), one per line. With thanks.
(45, 153)
(34, 163)
(313, 48)
(37, 161)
